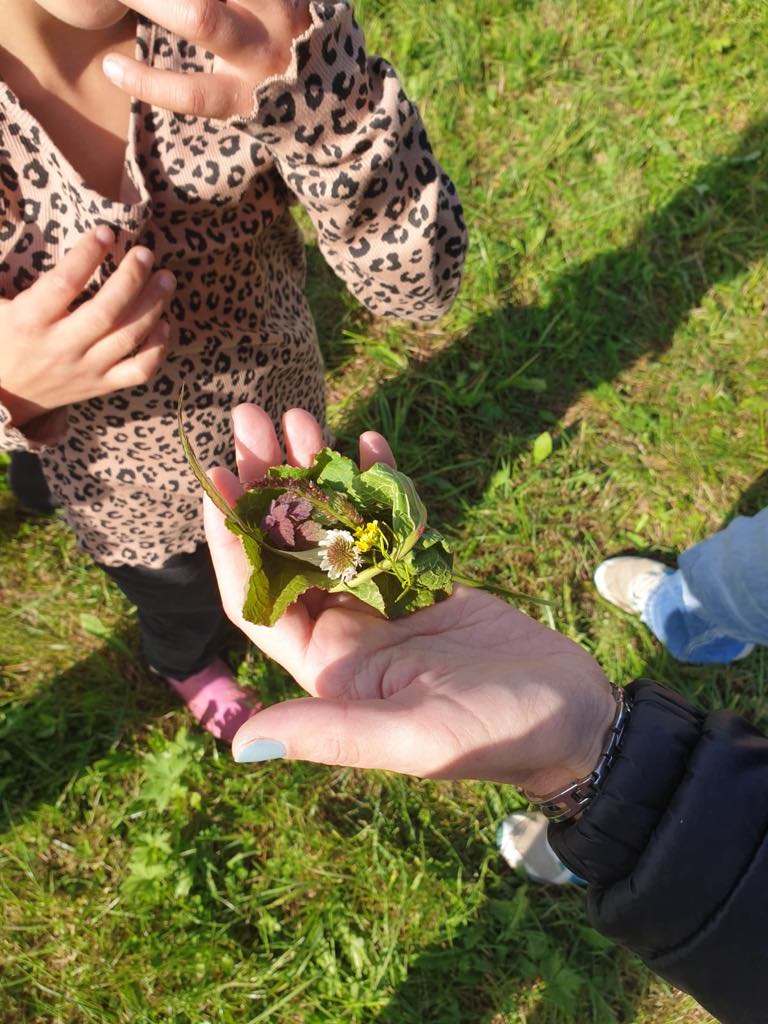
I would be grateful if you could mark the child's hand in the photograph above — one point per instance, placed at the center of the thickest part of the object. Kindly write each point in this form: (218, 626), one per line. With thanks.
(51, 357)
(251, 40)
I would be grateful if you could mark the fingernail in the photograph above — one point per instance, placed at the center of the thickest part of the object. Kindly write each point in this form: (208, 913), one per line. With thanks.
(145, 257)
(104, 235)
(113, 69)
(166, 280)
(260, 750)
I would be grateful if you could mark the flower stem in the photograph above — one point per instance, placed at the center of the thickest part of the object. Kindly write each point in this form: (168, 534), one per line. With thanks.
(493, 588)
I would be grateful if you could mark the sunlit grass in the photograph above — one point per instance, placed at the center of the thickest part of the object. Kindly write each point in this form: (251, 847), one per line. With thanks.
(613, 161)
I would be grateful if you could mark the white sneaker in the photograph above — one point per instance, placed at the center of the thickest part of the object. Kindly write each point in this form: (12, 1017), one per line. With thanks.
(628, 582)
(522, 840)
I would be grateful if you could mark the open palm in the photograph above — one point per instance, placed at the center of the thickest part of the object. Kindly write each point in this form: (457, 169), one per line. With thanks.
(468, 688)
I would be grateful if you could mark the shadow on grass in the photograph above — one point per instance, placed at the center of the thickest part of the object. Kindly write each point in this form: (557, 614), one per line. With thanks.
(48, 738)
(520, 369)
(78, 717)
(516, 372)
(753, 500)
(573, 974)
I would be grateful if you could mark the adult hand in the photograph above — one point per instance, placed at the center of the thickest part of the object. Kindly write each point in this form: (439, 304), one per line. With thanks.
(51, 356)
(251, 41)
(469, 688)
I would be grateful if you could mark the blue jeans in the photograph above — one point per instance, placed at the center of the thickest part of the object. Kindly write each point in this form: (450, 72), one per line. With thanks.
(717, 601)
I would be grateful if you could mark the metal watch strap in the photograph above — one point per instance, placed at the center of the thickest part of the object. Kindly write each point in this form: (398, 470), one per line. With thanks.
(571, 801)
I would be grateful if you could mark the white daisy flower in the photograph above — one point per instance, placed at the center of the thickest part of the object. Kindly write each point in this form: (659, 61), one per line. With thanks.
(341, 557)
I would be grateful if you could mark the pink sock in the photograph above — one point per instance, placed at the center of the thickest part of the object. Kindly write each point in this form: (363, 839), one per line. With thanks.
(216, 700)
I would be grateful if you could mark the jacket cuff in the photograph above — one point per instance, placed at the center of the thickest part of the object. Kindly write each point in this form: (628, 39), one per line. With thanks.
(676, 851)
(605, 843)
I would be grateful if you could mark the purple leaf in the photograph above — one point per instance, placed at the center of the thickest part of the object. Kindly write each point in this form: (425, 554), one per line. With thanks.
(308, 535)
(288, 525)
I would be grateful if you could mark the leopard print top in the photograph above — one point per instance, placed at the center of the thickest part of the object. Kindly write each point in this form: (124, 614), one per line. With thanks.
(212, 200)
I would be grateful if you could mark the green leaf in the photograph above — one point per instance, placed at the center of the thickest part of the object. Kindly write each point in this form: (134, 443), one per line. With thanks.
(288, 588)
(415, 598)
(433, 562)
(399, 602)
(720, 44)
(335, 471)
(288, 580)
(383, 488)
(368, 590)
(184, 880)
(150, 861)
(167, 771)
(288, 473)
(258, 603)
(542, 447)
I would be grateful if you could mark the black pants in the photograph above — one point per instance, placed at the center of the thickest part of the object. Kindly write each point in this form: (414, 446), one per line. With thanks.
(179, 609)
(25, 476)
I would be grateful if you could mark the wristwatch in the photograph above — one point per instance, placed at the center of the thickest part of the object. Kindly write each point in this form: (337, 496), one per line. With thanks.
(569, 803)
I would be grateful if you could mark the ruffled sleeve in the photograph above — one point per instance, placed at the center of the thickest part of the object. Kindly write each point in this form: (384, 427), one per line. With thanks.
(353, 149)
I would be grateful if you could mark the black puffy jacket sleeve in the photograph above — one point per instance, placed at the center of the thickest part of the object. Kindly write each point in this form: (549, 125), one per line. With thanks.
(675, 851)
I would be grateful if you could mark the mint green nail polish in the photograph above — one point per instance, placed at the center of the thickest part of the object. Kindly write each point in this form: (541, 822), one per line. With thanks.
(260, 750)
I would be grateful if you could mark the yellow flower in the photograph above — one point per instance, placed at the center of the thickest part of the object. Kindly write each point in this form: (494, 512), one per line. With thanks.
(368, 536)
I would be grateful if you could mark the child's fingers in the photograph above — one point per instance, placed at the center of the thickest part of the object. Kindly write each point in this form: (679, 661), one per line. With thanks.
(375, 448)
(303, 437)
(143, 365)
(138, 323)
(256, 444)
(209, 23)
(275, 13)
(104, 313)
(216, 96)
(51, 296)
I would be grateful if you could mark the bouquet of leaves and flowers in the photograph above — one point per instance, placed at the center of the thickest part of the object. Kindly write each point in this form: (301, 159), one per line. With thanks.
(336, 528)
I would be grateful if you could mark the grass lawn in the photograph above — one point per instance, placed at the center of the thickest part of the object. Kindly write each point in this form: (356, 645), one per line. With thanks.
(612, 156)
